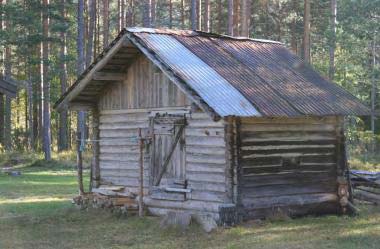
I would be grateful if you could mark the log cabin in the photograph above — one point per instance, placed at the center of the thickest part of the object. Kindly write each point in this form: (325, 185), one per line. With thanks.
(235, 128)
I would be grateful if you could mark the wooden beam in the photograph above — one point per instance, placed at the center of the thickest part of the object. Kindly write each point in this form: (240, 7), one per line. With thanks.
(89, 76)
(109, 76)
(81, 106)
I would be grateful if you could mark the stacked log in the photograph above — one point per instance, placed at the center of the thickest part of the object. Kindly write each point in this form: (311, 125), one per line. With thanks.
(366, 186)
(116, 204)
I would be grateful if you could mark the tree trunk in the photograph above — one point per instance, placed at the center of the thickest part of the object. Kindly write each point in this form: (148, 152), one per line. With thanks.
(182, 14)
(206, 17)
(332, 40)
(199, 14)
(293, 39)
(230, 17)
(81, 116)
(97, 30)
(7, 75)
(373, 87)
(153, 13)
(91, 30)
(122, 14)
(62, 136)
(46, 141)
(105, 22)
(118, 19)
(2, 106)
(130, 11)
(220, 18)
(170, 14)
(306, 32)
(245, 17)
(8, 127)
(147, 13)
(37, 118)
(236, 18)
(193, 14)
(80, 164)
(80, 38)
(29, 114)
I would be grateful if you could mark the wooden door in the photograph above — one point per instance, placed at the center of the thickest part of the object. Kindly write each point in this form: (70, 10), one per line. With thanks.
(168, 150)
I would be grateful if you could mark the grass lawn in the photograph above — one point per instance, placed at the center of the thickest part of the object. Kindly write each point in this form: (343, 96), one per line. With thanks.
(36, 212)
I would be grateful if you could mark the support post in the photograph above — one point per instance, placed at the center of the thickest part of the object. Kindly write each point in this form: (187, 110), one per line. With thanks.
(141, 163)
(95, 174)
(342, 179)
(80, 164)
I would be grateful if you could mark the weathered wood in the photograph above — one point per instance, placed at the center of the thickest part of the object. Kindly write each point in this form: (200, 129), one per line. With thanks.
(366, 196)
(287, 163)
(193, 96)
(286, 200)
(95, 177)
(141, 175)
(162, 195)
(109, 76)
(209, 196)
(290, 189)
(168, 157)
(89, 76)
(203, 177)
(79, 165)
(230, 141)
(207, 168)
(321, 208)
(143, 87)
(205, 159)
(162, 211)
(207, 186)
(188, 205)
(295, 169)
(286, 178)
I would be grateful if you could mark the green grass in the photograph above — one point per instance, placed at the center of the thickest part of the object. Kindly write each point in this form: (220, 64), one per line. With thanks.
(36, 212)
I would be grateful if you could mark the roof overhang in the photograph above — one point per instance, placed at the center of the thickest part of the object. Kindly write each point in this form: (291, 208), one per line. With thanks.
(108, 68)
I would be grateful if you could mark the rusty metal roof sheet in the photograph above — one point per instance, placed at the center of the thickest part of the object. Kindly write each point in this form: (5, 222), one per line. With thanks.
(242, 76)
(215, 90)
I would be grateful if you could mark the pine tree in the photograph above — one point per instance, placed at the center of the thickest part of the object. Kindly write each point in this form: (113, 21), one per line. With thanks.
(306, 31)
(46, 131)
(62, 136)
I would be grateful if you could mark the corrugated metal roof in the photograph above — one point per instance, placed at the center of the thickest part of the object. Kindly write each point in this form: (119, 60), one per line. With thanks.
(244, 77)
(238, 75)
(216, 91)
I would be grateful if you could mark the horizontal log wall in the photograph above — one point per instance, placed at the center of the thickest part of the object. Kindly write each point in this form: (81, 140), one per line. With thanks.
(288, 163)
(124, 107)
(205, 169)
(119, 153)
(206, 159)
(145, 86)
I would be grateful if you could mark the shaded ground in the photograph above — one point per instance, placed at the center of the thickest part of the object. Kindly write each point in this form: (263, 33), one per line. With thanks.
(36, 212)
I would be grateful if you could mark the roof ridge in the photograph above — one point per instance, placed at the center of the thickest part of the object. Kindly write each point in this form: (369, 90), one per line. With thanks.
(166, 31)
